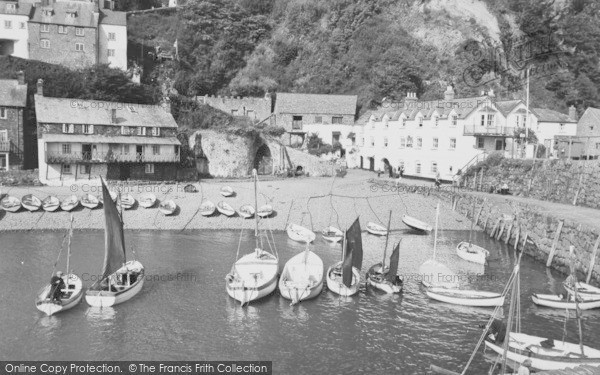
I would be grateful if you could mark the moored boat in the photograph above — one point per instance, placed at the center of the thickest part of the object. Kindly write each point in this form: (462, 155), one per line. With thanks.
(376, 229)
(147, 200)
(465, 297)
(585, 291)
(90, 201)
(69, 203)
(31, 203)
(416, 224)
(265, 211)
(562, 302)
(332, 234)
(227, 191)
(302, 277)
(10, 203)
(167, 207)
(127, 201)
(246, 211)
(343, 277)
(472, 253)
(299, 233)
(225, 209)
(207, 208)
(50, 203)
(190, 188)
(386, 278)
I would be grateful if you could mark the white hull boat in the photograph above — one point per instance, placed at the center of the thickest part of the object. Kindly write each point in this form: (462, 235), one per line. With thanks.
(127, 201)
(31, 203)
(265, 211)
(121, 293)
(560, 302)
(254, 276)
(225, 209)
(10, 203)
(332, 234)
(585, 291)
(335, 284)
(376, 229)
(70, 296)
(147, 200)
(167, 207)
(227, 191)
(69, 203)
(562, 355)
(472, 253)
(90, 201)
(302, 277)
(246, 211)
(300, 234)
(465, 297)
(207, 208)
(51, 203)
(416, 224)
(378, 280)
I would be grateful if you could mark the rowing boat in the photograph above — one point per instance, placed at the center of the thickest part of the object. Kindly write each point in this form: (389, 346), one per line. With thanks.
(376, 229)
(416, 224)
(10, 203)
(332, 234)
(90, 201)
(167, 207)
(127, 201)
(207, 208)
(225, 209)
(265, 211)
(299, 233)
(472, 252)
(227, 191)
(147, 200)
(50, 203)
(69, 203)
(465, 297)
(246, 211)
(31, 203)
(561, 302)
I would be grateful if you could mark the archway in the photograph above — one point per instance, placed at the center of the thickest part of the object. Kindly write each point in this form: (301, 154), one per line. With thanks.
(371, 163)
(387, 168)
(263, 162)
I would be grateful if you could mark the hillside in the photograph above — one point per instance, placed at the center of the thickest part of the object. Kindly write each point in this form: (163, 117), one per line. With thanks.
(382, 48)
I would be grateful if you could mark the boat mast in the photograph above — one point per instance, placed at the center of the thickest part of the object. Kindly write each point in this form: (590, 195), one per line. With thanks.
(387, 236)
(577, 313)
(437, 217)
(69, 250)
(513, 298)
(472, 218)
(255, 206)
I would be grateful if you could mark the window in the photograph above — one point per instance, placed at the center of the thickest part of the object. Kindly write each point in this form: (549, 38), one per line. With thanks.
(385, 142)
(3, 135)
(71, 14)
(562, 128)
(112, 36)
(434, 167)
(68, 128)
(403, 122)
(454, 120)
(296, 122)
(420, 122)
(47, 13)
(499, 144)
(385, 122)
(7, 24)
(482, 120)
(402, 142)
(87, 129)
(79, 47)
(480, 142)
(45, 43)
(86, 169)
(436, 121)
(156, 132)
(11, 8)
(66, 148)
(419, 142)
(62, 29)
(452, 143)
(409, 142)
(149, 168)
(591, 127)
(336, 120)
(45, 28)
(318, 119)
(125, 150)
(141, 130)
(490, 120)
(3, 112)
(435, 143)
(66, 168)
(79, 31)
(110, 53)
(362, 141)
(124, 130)
(418, 167)
(155, 149)
(517, 120)
(21, 25)
(372, 142)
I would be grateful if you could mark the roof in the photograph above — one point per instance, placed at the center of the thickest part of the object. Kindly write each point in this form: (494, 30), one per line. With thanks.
(112, 17)
(97, 138)
(506, 106)
(97, 112)
(86, 14)
(12, 94)
(594, 112)
(316, 104)
(549, 115)
(21, 10)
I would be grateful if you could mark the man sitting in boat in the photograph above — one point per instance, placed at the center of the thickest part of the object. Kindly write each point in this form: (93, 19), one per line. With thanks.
(524, 368)
(58, 285)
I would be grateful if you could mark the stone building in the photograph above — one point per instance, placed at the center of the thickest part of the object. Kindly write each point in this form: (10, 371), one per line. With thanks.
(330, 116)
(257, 109)
(586, 142)
(552, 125)
(13, 99)
(84, 139)
(14, 33)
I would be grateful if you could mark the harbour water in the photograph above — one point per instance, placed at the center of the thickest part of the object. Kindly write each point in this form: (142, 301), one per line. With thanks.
(184, 313)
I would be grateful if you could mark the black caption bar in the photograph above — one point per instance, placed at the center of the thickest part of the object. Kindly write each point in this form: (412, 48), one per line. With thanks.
(137, 367)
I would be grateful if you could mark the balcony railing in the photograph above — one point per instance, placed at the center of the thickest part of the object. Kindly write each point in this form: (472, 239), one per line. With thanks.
(498, 131)
(9, 146)
(108, 157)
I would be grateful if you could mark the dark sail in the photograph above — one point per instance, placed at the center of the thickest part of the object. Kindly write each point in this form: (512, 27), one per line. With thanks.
(353, 255)
(114, 241)
(391, 276)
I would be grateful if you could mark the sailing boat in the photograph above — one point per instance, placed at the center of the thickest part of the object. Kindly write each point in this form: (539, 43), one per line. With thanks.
(70, 295)
(546, 353)
(382, 278)
(120, 280)
(468, 250)
(254, 275)
(343, 277)
(302, 277)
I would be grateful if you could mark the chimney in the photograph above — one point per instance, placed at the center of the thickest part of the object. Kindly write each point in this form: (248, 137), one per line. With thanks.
(491, 93)
(113, 115)
(573, 112)
(40, 87)
(449, 94)
(167, 105)
(21, 77)
(411, 97)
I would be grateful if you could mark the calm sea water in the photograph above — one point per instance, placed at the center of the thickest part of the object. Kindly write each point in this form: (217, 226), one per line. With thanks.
(183, 311)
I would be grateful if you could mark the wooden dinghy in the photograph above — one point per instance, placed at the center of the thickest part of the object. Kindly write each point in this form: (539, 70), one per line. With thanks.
(189, 188)
(69, 203)
(464, 297)
(585, 291)
(225, 209)
(127, 201)
(246, 211)
(147, 200)
(50, 203)
(10, 203)
(167, 207)
(343, 277)
(302, 277)
(376, 229)
(332, 234)
(207, 208)
(265, 211)
(472, 252)
(561, 302)
(120, 280)
(90, 201)
(31, 203)
(227, 191)
(300, 234)
(386, 278)
(416, 224)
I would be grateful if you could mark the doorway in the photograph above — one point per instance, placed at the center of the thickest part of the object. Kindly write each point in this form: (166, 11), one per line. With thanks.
(139, 152)
(371, 164)
(86, 151)
(263, 162)
(124, 172)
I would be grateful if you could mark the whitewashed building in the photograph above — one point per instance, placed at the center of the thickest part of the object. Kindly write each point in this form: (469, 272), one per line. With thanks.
(14, 32)
(112, 38)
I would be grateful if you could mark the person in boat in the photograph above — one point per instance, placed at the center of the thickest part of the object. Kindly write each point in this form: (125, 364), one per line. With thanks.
(497, 331)
(524, 368)
(57, 285)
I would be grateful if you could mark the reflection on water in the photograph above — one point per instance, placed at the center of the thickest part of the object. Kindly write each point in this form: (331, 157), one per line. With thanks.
(176, 318)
